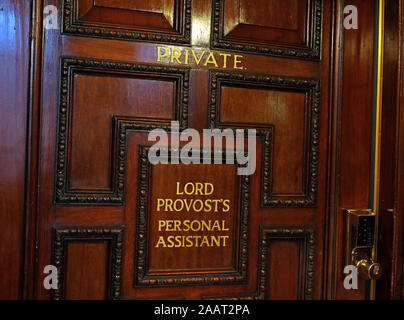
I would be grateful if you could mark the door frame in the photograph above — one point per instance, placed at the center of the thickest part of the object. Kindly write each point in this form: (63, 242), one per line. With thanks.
(340, 71)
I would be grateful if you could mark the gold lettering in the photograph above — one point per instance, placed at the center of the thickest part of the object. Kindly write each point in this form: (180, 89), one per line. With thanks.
(206, 225)
(216, 204)
(216, 226)
(186, 189)
(216, 240)
(192, 241)
(169, 225)
(198, 225)
(188, 204)
(186, 225)
(205, 241)
(224, 226)
(176, 56)
(208, 205)
(169, 204)
(198, 188)
(224, 240)
(189, 242)
(177, 225)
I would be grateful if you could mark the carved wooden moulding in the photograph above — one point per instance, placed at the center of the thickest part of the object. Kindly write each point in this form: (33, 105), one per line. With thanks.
(285, 112)
(287, 28)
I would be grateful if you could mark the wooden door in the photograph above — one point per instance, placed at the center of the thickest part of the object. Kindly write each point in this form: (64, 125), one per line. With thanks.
(117, 70)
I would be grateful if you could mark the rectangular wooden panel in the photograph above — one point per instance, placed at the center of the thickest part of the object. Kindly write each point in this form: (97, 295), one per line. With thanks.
(283, 14)
(192, 216)
(86, 270)
(99, 102)
(289, 28)
(156, 20)
(88, 262)
(134, 96)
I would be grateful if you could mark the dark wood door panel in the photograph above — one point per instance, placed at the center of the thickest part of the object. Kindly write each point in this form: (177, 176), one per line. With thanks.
(256, 255)
(276, 21)
(89, 262)
(14, 79)
(285, 269)
(151, 5)
(208, 234)
(159, 20)
(134, 96)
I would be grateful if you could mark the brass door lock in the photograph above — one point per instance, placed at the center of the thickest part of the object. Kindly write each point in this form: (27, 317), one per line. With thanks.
(360, 242)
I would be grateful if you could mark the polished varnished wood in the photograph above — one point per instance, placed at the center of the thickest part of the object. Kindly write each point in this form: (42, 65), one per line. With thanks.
(354, 137)
(265, 27)
(14, 80)
(266, 21)
(286, 112)
(160, 20)
(105, 110)
(387, 286)
(397, 290)
(122, 96)
(103, 90)
(93, 268)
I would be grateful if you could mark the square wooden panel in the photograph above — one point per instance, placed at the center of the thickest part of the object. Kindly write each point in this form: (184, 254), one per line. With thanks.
(287, 28)
(285, 265)
(167, 21)
(164, 261)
